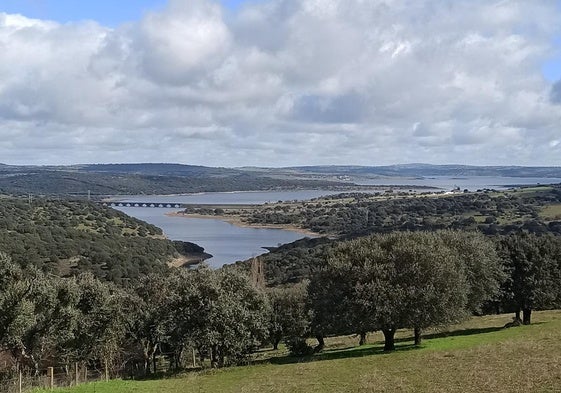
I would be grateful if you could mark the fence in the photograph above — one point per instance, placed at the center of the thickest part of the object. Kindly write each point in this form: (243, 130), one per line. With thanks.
(52, 377)
(80, 373)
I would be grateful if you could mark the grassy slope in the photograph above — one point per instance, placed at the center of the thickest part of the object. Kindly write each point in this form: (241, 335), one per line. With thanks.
(477, 356)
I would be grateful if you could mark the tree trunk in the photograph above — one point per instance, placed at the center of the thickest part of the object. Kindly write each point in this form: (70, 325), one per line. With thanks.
(389, 342)
(202, 354)
(321, 343)
(146, 356)
(213, 357)
(517, 315)
(276, 342)
(527, 316)
(417, 333)
(147, 353)
(35, 366)
(177, 356)
(362, 340)
(146, 366)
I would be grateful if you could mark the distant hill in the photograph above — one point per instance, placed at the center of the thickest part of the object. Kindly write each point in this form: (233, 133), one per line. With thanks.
(159, 169)
(162, 178)
(416, 170)
(128, 179)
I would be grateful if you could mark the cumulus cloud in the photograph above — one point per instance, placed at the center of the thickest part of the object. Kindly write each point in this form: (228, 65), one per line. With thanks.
(285, 82)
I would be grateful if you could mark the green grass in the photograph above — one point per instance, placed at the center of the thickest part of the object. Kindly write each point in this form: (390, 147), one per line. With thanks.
(477, 356)
(531, 190)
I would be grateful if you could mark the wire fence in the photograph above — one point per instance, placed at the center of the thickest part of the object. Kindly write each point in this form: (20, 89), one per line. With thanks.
(68, 375)
(53, 377)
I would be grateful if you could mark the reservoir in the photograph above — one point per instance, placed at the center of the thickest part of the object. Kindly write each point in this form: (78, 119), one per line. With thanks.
(226, 242)
(229, 243)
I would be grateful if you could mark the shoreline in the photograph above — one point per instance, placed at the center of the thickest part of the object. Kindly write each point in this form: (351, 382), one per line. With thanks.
(235, 220)
(187, 261)
(341, 188)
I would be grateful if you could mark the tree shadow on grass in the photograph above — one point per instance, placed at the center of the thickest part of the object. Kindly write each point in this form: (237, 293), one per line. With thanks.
(163, 374)
(467, 332)
(455, 333)
(402, 344)
(340, 353)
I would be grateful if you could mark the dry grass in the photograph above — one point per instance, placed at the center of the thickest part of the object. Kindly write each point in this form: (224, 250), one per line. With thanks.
(551, 212)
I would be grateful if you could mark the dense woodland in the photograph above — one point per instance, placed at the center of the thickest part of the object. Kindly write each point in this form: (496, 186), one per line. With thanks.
(71, 237)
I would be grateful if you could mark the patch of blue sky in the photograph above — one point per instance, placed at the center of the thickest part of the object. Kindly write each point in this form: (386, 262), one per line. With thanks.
(105, 12)
(551, 69)
(233, 4)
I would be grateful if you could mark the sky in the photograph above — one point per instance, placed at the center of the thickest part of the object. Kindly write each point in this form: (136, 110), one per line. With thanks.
(280, 82)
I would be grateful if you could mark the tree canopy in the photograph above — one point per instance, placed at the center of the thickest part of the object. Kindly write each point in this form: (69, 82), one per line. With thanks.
(385, 282)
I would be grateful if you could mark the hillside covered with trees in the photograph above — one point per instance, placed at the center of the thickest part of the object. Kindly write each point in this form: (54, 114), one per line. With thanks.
(71, 237)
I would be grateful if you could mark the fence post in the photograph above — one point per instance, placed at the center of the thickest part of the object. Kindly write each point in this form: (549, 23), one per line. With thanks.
(20, 382)
(85, 373)
(194, 358)
(51, 376)
(77, 373)
(106, 371)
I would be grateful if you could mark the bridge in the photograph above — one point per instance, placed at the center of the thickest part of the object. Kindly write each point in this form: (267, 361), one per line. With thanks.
(161, 205)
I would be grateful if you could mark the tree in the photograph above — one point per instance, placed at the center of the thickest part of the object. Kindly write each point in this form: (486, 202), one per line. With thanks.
(393, 281)
(534, 267)
(332, 298)
(103, 320)
(152, 312)
(221, 313)
(289, 315)
(17, 309)
(483, 267)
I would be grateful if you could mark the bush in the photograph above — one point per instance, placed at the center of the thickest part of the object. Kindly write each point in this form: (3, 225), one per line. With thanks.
(298, 346)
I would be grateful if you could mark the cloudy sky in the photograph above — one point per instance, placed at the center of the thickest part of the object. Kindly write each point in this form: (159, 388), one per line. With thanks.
(280, 82)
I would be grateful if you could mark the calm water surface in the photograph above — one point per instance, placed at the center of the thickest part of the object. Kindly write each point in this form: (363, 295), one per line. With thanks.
(228, 243)
(234, 198)
(472, 183)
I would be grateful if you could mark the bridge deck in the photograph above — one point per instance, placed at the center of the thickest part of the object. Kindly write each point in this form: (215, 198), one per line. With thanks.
(172, 205)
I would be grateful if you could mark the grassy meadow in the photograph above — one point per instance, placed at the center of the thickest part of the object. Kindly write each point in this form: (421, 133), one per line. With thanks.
(477, 356)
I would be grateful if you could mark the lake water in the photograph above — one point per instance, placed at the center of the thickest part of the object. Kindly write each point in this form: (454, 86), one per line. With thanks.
(472, 183)
(233, 198)
(228, 243)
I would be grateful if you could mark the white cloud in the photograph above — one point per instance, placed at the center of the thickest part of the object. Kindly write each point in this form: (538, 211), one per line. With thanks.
(285, 82)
